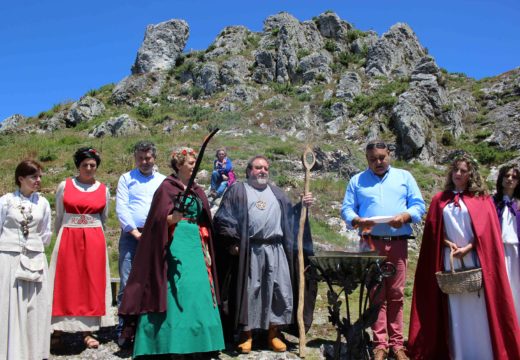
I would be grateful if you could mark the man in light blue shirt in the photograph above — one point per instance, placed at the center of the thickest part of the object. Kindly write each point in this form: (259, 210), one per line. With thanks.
(135, 191)
(382, 201)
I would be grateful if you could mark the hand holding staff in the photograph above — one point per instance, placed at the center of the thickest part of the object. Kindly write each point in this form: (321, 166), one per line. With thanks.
(308, 160)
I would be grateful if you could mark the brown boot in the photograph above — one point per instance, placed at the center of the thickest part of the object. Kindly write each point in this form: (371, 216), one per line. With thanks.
(274, 341)
(380, 354)
(245, 343)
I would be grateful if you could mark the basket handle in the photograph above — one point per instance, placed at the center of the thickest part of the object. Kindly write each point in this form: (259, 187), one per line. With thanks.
(451, 262)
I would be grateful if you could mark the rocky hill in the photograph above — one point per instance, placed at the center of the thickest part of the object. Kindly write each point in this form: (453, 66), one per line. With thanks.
(319, 81)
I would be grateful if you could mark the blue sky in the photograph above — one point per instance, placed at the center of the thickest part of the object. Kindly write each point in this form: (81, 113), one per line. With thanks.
(55, 51)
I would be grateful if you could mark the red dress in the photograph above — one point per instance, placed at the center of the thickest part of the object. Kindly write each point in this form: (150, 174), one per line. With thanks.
(80, 280)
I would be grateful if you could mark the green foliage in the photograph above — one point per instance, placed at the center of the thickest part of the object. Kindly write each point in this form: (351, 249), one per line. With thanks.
(283, 88)
(144, 110)
(194, 113)
(301, 53)
(185, 68)
(275, 32)
(383, 97)
(482, 134)
(330, 45)
(320, 77)
(304, 97)
(48, 156)
(211, 48)
(354, 34)
(283, 180)
(487, 154)
(283, 150)
(447, 138)
(274, 104)
(346, 58)
(252, 40)
(196, 92)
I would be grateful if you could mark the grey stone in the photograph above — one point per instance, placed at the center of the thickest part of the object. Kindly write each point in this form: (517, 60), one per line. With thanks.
(363, 43)
(118, 126)
(265, 67)
(243, 94)
(332, 27)
(349, 86)
(315, 67)
(506, 133)
(128, 90)
(163, 44)
(231, 41)
(235, 70)
(395, 53)
(337, 161)
(84, 110)
(207, 77)
(12, 124)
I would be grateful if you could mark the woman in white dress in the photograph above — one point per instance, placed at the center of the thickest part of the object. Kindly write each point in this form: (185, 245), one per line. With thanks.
(79, 271)
(507, 202)
(25, 228)
(475, 325)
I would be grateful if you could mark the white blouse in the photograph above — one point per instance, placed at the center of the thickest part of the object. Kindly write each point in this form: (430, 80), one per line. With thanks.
(509, 235)
(457, 224)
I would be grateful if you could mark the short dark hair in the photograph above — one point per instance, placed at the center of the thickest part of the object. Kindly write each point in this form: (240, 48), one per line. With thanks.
(376, 144)
(249, 166)
(26, 168)
(145, 146)
(87, 152)
(499, 195)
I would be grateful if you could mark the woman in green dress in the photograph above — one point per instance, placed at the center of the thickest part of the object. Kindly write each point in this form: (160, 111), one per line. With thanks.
(173, 285)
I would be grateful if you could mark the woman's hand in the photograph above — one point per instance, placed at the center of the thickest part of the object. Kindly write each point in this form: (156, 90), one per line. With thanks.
(174, 218)
(463, 251)
(451, 245)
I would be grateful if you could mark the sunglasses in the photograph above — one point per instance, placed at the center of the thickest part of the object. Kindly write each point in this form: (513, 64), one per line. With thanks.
(378, 145)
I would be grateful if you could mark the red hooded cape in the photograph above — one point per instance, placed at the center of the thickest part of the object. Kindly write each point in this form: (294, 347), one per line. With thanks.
(146, 288)
(429, 322)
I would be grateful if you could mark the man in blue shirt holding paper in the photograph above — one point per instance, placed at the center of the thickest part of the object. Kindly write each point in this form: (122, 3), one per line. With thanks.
(382, 201)
(135, 191)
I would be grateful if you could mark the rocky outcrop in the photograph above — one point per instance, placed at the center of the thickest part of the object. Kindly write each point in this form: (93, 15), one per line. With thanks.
(163, 44)
(12, 124)
(337, 161)
(117, 126)
(332, 27)
(349, 86)
(127, 91)
(396, 53)
(84, 110)
(207, 77)
(315, 68)
(506, 134)
(231, 41)
(235, 70)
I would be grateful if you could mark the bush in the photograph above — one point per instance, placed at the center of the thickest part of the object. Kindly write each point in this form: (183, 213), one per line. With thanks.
(48, 156)
(275, 32)
(301, 53)
(330, 45)
(383, 97)
(355, 34)
(447, 138)
(196, 92)
(283, 88)
(144, 110)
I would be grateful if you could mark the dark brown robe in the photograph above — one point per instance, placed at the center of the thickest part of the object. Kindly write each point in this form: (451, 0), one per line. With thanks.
(146, 288)
(231, 228)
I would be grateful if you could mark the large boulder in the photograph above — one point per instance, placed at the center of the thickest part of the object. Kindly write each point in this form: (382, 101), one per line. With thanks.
(127, 91)
(337, 161)
(231, 41)
(265, 66)
(84, 110)
(163, 44)
(117, 126)
(397, 53)
(506, 134)
(315, 67)
(12, 124)
(349, 86)
(234, 71)
(207, 77)
(332, 27)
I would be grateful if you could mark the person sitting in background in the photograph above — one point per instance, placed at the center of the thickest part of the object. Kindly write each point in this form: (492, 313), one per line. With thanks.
(506, 201)
(222, 175)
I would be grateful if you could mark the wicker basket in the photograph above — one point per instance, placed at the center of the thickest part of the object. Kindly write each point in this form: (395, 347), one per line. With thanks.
(460, 281)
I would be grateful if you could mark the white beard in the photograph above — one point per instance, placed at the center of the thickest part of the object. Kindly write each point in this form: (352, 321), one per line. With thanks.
(258, 181)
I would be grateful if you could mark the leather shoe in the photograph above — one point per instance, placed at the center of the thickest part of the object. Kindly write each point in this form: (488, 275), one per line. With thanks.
(274, 341)
(380, 354)
(400, 354)
(246, 342)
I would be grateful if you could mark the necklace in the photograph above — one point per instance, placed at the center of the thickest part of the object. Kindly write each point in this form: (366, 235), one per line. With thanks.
(26, 215)
(259, 204)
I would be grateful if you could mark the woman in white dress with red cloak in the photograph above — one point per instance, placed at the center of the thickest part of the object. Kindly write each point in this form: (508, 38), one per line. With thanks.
(80, 275)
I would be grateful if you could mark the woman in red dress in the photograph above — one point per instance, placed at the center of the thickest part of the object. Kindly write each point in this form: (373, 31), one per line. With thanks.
(79, 272)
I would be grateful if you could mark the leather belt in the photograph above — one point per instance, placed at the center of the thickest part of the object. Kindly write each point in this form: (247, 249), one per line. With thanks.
(269, 241)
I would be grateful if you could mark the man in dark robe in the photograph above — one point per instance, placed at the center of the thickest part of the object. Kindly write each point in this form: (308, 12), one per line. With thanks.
(256, 227)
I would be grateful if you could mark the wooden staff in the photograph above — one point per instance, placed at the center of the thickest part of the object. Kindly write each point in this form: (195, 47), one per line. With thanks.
(308, 160)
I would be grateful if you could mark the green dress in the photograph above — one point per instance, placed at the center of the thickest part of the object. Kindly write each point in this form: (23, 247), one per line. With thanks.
(191, 323)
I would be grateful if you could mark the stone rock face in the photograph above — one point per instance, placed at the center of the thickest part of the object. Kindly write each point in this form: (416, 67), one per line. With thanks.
(335, 161)
(234, 71)
(162, 45)
(84, 110)
(349, 86)
(56, 122)
(117, 126)
(231, 41)
(265, 67)
(315, 67)
(207, 77)
(396, 53)
(506, 134)
(332, 27)
(12, 124)
(243, 94)
(363, 43)
(128, 89)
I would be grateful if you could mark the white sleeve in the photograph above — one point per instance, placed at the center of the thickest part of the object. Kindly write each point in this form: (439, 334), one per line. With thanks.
(3, 210)
(60, 209)
(46, 222)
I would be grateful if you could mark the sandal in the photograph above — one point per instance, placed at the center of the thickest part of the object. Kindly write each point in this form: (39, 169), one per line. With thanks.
(91, 342)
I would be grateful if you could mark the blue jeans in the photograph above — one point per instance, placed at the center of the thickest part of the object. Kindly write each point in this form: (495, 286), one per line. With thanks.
(217, 183)
(127, 247)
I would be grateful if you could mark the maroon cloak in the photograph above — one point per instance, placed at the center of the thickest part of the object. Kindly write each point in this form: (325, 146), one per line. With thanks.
(429, 321)
(146, 288)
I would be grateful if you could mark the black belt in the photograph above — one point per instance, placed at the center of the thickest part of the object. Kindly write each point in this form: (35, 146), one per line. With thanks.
(388, 238)
(269, 240)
